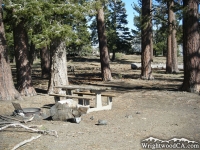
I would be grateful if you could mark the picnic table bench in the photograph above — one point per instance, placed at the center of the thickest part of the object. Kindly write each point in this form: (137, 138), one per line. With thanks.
(82, 90)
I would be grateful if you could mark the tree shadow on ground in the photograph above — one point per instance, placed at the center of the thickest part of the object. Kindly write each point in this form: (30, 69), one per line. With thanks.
(136, 76)
(161, 84)
(121, 87)
(84, 59)
(163, 71)
(95, 78)
(97, 59)
(125, 61)
(41, 91)
(80, 78)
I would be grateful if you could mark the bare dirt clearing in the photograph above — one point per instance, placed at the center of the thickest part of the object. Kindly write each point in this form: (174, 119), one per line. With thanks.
(140, 109)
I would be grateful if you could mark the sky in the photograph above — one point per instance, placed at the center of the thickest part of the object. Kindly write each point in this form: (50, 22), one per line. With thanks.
(130, 11)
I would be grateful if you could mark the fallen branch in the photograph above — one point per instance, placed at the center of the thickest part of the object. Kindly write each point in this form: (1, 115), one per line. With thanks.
(6, 117)
(52, 132)
(25, 120)
(6, 122)
(26, 141)
(35, 126)
(15, 122)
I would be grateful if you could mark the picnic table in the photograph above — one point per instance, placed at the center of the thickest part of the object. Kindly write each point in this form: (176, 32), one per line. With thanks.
(91, 90)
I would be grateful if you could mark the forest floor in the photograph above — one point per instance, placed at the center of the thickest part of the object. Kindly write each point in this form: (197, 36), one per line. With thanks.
(141, 109)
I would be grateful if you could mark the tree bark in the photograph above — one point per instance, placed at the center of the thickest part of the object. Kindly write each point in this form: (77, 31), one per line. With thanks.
(24, 79)
(172, 63)
(114, 38)
(113, 55)
(104, 56)
(58, 66)
(169, 39)
(151, 43)
(174, 43)
(191, 47)
(7, 89)
(146, 59)
(32, 53)
(45, 62)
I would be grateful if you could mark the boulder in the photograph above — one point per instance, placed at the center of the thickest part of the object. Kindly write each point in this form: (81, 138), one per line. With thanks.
(68, 110)
(134, 66)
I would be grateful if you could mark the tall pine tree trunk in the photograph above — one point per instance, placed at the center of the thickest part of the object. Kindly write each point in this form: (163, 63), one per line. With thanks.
(151, 43)
(172, 63)
(113, 55)
(114, 38)
(191, 47)
(104, 56)
(146, 59)
(169, 39)
(24, 79)
(45, 62)
(174, 44)
(58, 66)
(7, 89)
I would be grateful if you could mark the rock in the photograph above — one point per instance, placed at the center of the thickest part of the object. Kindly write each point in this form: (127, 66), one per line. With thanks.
(129, 116)
(92, 118)
(77, 119)
(83, 109)
(61, 112)
(102, 122)
(66, 110)
(134, 66)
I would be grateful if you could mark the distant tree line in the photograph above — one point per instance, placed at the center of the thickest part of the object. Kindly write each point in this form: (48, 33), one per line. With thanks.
(165, 19)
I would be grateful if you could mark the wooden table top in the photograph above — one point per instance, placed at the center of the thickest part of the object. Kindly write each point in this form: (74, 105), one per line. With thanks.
(84, 87)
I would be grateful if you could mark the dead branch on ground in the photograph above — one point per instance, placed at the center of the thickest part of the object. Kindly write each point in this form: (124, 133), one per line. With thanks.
(25, 141)
(51, 132)
(25, 120)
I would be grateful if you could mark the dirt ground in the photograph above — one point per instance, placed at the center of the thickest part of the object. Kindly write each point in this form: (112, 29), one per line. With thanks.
(141, 109)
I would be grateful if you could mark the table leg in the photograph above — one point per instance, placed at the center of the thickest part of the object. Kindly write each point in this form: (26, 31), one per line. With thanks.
(98, 103)
(69, 92)
(109, 101)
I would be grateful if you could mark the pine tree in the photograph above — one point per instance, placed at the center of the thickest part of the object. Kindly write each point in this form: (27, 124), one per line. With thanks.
(51, 22)
(137, 20)
(45, 62)
(23, 64)
(118, 33)
(7, 89)
(104, 56)
(146, 36)
(20, 14)
(191, 46)
(171, 64)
